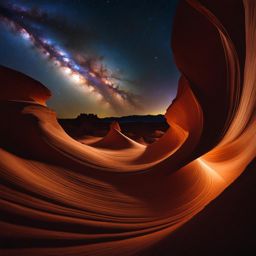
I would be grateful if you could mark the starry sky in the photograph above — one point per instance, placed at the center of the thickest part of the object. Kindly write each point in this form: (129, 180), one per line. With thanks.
(108, 57)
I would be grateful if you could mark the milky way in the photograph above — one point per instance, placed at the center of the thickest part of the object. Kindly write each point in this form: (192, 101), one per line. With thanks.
(86, 73)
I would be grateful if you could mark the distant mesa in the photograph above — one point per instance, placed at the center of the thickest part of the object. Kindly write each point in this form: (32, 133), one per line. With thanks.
(145, 128)
(123, 119)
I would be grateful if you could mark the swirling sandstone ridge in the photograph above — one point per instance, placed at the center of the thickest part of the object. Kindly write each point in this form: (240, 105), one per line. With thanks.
(117, 196)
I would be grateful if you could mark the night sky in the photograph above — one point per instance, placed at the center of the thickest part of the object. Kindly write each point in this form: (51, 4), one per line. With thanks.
(108, 57)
